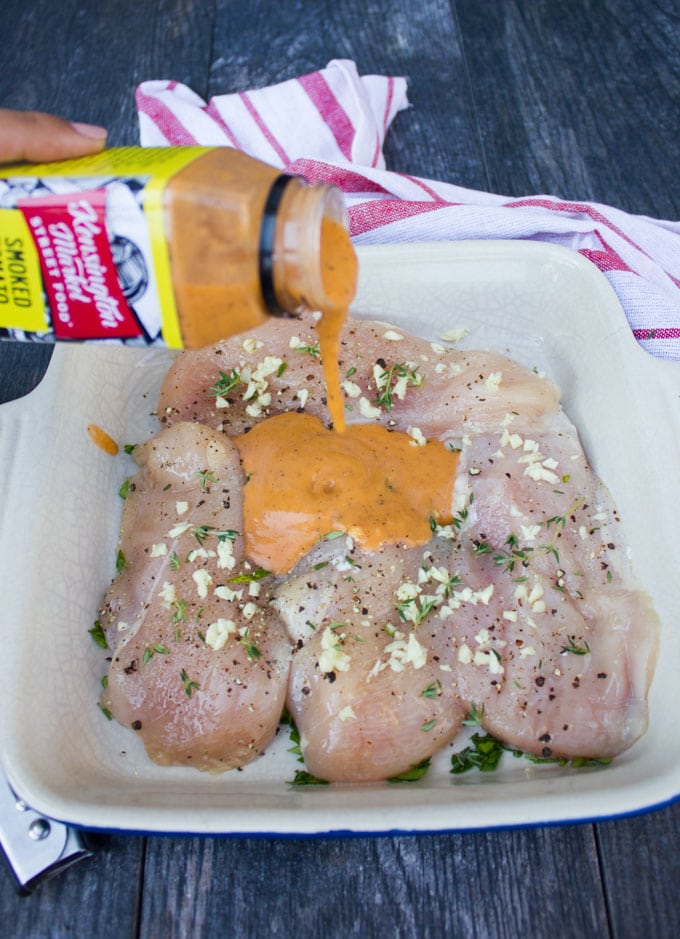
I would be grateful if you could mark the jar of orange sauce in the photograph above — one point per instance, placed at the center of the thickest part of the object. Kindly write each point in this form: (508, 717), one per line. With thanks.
(169, 246)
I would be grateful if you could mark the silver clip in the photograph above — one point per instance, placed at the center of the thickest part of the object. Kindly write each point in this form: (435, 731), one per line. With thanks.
(36, 847)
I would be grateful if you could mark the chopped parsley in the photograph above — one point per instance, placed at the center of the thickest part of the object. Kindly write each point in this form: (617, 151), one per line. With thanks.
(413, 773)
(97, 633)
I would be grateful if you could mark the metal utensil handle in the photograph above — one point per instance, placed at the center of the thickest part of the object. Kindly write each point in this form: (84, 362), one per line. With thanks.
(36, 847)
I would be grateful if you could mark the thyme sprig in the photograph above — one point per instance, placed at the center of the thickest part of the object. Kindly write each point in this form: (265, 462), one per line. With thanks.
(225, 384)
(387, 380)
(571, 646)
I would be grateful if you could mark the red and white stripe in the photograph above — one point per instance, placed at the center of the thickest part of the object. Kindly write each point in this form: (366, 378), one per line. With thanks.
(330, 126)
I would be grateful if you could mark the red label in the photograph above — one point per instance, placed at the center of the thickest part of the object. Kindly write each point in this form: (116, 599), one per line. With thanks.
(78, 271)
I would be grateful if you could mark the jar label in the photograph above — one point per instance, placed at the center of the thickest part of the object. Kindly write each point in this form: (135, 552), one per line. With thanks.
(83, 252)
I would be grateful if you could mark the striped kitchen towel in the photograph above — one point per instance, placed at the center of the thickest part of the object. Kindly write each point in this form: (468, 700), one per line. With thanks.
(330, 126)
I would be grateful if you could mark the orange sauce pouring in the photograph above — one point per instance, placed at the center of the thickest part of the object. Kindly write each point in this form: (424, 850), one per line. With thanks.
(305, 481)
(339, 277)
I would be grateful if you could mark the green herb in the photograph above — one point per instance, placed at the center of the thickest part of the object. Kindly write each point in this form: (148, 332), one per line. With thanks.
(484, 754)
(303, 778)
(413, 774)
(105, 681)
(252, 651)
(428, 725)
(294, 737)
(206, 477)
(388, 378)
(124, 488)
(281, 369)
(513, 554)
(225, 384)
(202, 532)
(475, 715)
(120, 561)
(174, 561)
(314, 350)
(332, 535)
(432, 691)
(97, 633)
(250, 577)
(151, 649)
(405, 609)
(573, 647)
(350, 371)
(179, 611)
(579, 762)
(320, 565)
(105, 711)
(129, 447)
(189, 685)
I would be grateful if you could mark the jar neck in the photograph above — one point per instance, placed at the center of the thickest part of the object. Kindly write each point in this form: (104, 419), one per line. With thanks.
(306, 258)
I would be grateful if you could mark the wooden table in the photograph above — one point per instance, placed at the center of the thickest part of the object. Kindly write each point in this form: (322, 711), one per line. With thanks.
(578, 99)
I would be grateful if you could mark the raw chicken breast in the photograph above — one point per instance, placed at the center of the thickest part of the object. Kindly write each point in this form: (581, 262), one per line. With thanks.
(371, 693)
(199, 665)
(560, 660)
(387, 376)
(523, 613)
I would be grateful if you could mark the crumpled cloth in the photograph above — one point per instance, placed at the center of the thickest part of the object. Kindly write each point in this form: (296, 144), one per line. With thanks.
(330, 126)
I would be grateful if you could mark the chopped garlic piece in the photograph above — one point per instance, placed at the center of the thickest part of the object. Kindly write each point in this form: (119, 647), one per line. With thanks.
(406, 652)
(366, 409)
(351, 389)
(225, 554)
(493, 381)
(226, 593)
(454, 335)
(167, 594)
(178, 530)
(181, 507)
(250, 344)
(347, 714)
(158, 550)
(332, 658)
(218, 632)
(464, 654)
(203, 580)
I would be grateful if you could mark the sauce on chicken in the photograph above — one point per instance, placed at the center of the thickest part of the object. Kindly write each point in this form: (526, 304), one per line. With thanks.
(305, 482)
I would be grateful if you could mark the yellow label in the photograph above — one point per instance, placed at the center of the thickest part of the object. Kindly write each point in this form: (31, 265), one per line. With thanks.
(21, 297)
(162, 162)
(158, 165)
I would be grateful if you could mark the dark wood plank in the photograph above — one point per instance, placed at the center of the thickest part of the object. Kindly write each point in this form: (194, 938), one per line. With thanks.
(640, 860)
(97, 897)
(468, 885)
(83, 61)
(22, 366)
(256, 45)
(578, 99)
(512, 96)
